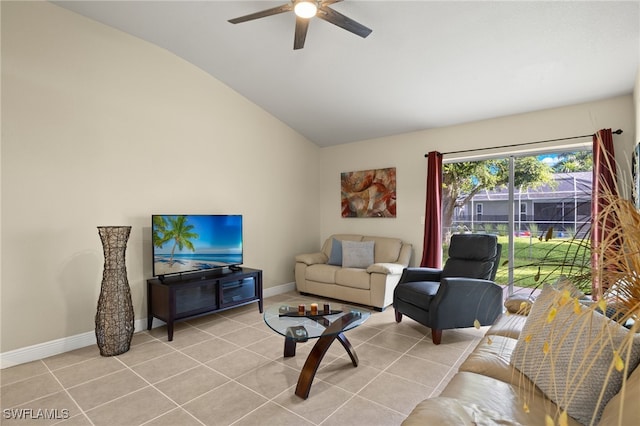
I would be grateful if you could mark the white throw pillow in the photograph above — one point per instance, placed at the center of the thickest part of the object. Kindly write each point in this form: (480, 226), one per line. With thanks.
(570, 356)
(357, 254)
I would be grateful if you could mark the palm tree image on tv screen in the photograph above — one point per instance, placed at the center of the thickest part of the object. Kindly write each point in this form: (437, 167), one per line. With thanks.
(187, 243)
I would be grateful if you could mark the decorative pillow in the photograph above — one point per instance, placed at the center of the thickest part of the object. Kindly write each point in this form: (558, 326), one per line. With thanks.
(336, 253)
(569, 351)
(564, 283)
(357, 254)
(518, 304)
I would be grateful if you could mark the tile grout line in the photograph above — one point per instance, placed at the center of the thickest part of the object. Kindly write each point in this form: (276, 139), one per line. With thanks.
(82, 412)
(353, 394)
(370, 381)
(244, 323)
(230, 379)
(151, 385)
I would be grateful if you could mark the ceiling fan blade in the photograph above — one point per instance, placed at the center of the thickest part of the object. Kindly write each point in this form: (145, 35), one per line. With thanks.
(328, 2)
(262, 14)
(337, 18)
(302, 25)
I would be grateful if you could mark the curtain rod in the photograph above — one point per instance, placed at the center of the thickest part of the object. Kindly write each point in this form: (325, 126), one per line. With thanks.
(617, 132)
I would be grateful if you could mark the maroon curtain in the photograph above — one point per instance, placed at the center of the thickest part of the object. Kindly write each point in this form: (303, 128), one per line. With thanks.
(604, 181)
(432, 246)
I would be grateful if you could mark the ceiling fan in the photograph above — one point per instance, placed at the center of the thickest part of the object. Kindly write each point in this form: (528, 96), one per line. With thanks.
(304, 11)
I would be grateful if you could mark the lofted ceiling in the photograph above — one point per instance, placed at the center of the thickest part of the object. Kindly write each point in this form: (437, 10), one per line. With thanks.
(426, 64)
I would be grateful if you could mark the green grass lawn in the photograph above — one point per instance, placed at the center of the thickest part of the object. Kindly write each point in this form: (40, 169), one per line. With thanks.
(537, 262)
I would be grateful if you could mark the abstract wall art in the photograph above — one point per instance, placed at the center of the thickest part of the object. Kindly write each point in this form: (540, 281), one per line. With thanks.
(369, 193)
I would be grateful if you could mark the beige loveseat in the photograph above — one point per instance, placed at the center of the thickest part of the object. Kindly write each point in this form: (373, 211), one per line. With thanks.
(489, 390)
(367, 284)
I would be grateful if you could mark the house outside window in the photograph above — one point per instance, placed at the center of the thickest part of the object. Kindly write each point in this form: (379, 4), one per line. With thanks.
(564, 204)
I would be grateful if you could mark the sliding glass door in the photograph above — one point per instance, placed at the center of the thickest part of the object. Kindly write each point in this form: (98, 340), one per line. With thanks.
(533, 203)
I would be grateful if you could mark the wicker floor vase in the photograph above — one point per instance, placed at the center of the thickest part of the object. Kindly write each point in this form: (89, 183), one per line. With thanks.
(114, 318)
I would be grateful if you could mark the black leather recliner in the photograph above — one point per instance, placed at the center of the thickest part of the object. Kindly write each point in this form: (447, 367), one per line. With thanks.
(457, 295)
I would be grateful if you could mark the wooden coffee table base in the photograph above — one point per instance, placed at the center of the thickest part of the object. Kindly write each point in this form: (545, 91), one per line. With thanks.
(317, 353)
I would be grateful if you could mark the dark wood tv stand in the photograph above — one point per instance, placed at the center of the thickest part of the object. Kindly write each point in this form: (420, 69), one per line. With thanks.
(177, 298)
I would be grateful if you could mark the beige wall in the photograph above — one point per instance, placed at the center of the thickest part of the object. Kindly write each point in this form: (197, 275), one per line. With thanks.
(101, 128)
(636, 103)
(406, 153)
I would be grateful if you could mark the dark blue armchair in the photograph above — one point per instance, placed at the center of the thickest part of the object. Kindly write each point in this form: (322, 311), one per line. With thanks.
(457, 295)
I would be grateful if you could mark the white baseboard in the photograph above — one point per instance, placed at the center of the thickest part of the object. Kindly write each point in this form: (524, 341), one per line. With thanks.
(58, 346)
(66, 344)
(279, 289)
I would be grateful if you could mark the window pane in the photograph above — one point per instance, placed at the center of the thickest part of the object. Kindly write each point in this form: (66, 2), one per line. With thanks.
(552, 197)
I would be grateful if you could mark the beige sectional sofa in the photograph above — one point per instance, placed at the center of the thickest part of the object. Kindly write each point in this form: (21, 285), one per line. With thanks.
(489, 390)
(370, 283)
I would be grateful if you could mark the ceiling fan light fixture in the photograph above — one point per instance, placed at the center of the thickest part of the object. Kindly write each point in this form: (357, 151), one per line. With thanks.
(305, 9)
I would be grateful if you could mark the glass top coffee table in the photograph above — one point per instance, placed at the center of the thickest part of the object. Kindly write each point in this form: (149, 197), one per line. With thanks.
(326, 324)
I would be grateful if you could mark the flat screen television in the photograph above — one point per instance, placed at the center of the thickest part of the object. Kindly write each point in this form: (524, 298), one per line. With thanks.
(190, 243)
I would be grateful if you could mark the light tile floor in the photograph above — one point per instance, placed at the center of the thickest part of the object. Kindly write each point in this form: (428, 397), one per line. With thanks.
(228, 369)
